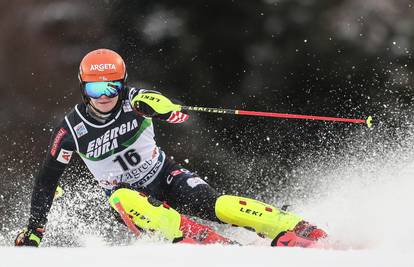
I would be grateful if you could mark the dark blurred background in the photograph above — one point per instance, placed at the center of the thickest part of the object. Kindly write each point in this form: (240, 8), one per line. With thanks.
(343, 58)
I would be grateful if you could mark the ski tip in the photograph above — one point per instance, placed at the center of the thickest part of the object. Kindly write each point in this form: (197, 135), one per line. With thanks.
(369, 121)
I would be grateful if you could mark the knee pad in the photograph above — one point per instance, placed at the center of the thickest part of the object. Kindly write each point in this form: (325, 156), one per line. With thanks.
(148, 213)
(260, 217)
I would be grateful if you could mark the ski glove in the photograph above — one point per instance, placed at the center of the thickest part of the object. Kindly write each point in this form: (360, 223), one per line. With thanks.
(155, 109)
(29, 237)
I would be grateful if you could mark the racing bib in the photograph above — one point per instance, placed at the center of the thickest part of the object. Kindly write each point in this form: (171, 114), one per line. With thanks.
(120, 151)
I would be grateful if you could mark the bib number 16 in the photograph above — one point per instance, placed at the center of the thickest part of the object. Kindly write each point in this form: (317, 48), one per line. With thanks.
(129, 159)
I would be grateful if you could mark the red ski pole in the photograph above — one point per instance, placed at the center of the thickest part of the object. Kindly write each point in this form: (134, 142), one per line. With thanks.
(163, 105)
(367, 121)
(129, 223)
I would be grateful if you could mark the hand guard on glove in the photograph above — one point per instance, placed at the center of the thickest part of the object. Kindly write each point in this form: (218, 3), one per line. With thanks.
(29, 237)
(141, 107)
(155, 109)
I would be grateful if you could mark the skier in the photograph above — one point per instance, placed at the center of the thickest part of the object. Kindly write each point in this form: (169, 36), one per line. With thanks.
(112, 132)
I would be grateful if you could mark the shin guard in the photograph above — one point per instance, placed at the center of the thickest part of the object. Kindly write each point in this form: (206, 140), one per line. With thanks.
(264, 219)
(149, 214)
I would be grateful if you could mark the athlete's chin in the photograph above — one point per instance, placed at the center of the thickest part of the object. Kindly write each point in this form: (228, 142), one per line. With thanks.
(105, 107)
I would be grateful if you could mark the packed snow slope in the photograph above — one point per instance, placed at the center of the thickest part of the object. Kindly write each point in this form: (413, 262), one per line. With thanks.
(187, 255)
(363, 198)
(366, 209)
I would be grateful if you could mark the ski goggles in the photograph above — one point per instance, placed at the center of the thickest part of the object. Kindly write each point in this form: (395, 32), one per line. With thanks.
(98, 89)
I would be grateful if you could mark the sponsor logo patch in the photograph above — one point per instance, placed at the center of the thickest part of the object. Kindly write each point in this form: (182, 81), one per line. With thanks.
(64, 156)
(127, 107)
(102, 67)
(169, 179)
(176, 172)
(252, 212)
(56, 142)
(194, 181)
(108, 141)
(80, 130)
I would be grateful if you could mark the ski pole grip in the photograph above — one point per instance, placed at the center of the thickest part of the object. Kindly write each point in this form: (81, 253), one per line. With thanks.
(369, 121)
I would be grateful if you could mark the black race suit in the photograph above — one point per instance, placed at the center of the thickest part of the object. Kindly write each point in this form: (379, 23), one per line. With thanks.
(121, 150)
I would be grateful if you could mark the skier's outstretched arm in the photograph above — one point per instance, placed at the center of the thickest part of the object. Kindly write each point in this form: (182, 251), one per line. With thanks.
(145, 110)
(58, 156)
